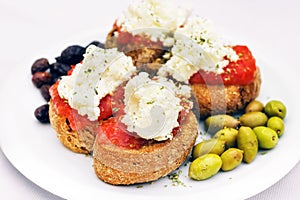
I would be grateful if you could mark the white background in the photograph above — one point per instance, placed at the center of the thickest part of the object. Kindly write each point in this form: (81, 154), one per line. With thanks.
(29, 28)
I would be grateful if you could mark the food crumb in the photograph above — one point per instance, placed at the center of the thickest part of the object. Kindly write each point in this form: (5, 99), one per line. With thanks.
(263, 152)
(139, 186)
(174, 177)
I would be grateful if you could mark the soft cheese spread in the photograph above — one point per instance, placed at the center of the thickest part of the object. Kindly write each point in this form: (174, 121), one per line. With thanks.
(152, 106)
(197, 46)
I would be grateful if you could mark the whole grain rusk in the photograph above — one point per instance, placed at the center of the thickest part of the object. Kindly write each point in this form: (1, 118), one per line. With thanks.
(77, 141)
(119, 166)
(229, 99)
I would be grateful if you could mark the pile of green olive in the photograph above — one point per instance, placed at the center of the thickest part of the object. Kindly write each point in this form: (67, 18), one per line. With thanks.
(237, 139)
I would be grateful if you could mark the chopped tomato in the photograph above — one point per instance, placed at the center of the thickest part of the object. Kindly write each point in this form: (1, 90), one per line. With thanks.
(77, 121)
(105, 107)
(241, 72)
(112, 105)
(116, 132)
(71, 70)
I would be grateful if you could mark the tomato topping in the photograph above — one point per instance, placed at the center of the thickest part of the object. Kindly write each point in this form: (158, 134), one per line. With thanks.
(77, 121)
(116, 132)
(105, 107)
(241, 72)
(71, 70)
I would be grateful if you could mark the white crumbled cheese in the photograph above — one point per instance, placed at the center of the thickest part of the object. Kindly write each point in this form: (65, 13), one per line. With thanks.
(187, 58)
(101, 72)
(152, 106)
(151, 18)
(197, 46)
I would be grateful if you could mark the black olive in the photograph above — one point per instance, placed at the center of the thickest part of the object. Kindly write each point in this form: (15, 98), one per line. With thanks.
(41, 78)
(60, 69)
(58, 59)
(42, 113)
(98, 44)
(55, 76)
(45, 92)
(72, 55)
(40, 65)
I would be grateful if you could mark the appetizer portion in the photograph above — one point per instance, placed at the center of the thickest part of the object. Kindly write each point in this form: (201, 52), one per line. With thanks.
(135, 104)
(152, 138)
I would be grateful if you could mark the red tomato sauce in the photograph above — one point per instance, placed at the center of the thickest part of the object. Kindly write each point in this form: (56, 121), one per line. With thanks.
(241, 72)
(117, 133)
(77, 121)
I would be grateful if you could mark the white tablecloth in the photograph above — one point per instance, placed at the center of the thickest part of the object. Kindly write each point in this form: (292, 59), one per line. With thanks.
(29, 27)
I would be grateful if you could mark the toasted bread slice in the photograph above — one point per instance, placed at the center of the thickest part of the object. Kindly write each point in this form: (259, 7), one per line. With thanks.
(229, 99)
(119, 166)
(77, 141)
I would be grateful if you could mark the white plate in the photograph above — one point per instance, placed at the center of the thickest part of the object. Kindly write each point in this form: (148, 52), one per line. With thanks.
(35, 151)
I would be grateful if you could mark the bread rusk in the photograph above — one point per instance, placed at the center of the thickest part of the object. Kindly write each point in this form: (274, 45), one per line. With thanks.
(225, 99)
(211, 99)
(119, 166)
(77, 141)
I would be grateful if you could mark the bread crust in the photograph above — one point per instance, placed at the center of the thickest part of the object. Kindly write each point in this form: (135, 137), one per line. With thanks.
(119, 166)
(77, 141)
(221, 99)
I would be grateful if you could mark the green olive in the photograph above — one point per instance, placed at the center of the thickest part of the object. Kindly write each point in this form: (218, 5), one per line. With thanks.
(254, 106)
(277, 124)
(228, 135)
(213, 145)
(253, 119)
(275, 108)
(231, 158)
(217, 122)
(267, 137)
(205, 167)
(247, 142)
